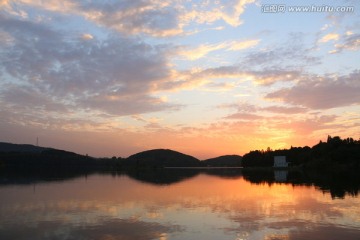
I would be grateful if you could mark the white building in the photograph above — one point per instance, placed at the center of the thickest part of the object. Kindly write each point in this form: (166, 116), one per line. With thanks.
(280, 161)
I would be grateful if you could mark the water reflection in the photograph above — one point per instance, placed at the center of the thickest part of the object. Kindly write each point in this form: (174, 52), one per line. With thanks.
(281, 175)
(108, 229)
(338, 184)
(161, 176)
(189, 205)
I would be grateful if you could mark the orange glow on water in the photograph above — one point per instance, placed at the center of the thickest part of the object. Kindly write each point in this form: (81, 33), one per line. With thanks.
(203, 204)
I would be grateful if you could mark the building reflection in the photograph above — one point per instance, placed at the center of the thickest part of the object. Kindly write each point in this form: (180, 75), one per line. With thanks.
(280, 175)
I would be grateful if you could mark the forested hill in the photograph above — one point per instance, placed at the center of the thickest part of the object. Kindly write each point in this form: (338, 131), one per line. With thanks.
(162, 158)
(335, 152)
(10, 147)
(223, 161)
(332, 154)
(34, 156)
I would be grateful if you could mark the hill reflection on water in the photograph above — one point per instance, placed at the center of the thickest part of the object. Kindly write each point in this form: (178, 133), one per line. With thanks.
(338, 183)
(176, 204)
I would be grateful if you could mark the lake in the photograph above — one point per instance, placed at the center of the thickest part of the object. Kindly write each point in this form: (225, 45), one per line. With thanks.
(172, 205)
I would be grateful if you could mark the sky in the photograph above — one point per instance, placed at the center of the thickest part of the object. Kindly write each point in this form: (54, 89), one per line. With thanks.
(206, 78)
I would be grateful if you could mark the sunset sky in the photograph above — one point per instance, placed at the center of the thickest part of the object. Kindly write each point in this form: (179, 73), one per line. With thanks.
(206, 78)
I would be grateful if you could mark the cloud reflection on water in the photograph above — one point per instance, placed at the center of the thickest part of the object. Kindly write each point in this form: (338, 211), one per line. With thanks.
(104, 207)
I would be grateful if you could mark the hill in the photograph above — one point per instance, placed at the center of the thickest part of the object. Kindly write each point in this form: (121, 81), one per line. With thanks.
(10, 147)
(223, 161)
(334, 154)
(34, 156)
(162, 158)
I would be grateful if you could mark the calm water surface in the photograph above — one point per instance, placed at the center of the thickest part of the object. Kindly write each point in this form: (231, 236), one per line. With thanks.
(200, 207)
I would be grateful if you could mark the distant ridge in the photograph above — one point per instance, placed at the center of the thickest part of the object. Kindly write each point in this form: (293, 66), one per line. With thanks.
(163, 158)
(10, 147)
(28, 148)
(34, 156)
(224, 161)
(29, 154)
(334, 154)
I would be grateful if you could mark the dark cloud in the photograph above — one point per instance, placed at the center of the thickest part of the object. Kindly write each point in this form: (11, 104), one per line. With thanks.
(349, 42)
(156, 18)
(291, 54)
(131, 17)
(118, 104)
(53, 70)
(241, 107)
(27, 98)
(264, 76)
(244, 116)
(249, 108)
(285, 110)
(322, 93)
(271, 76)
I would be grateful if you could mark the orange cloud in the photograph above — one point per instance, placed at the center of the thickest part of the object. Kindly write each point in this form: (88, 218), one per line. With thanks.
(230, 13)
(201, 51)
(240, 45)
(329, 37)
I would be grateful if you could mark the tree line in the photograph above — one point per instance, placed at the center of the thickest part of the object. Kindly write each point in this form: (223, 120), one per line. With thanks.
(335, 152)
